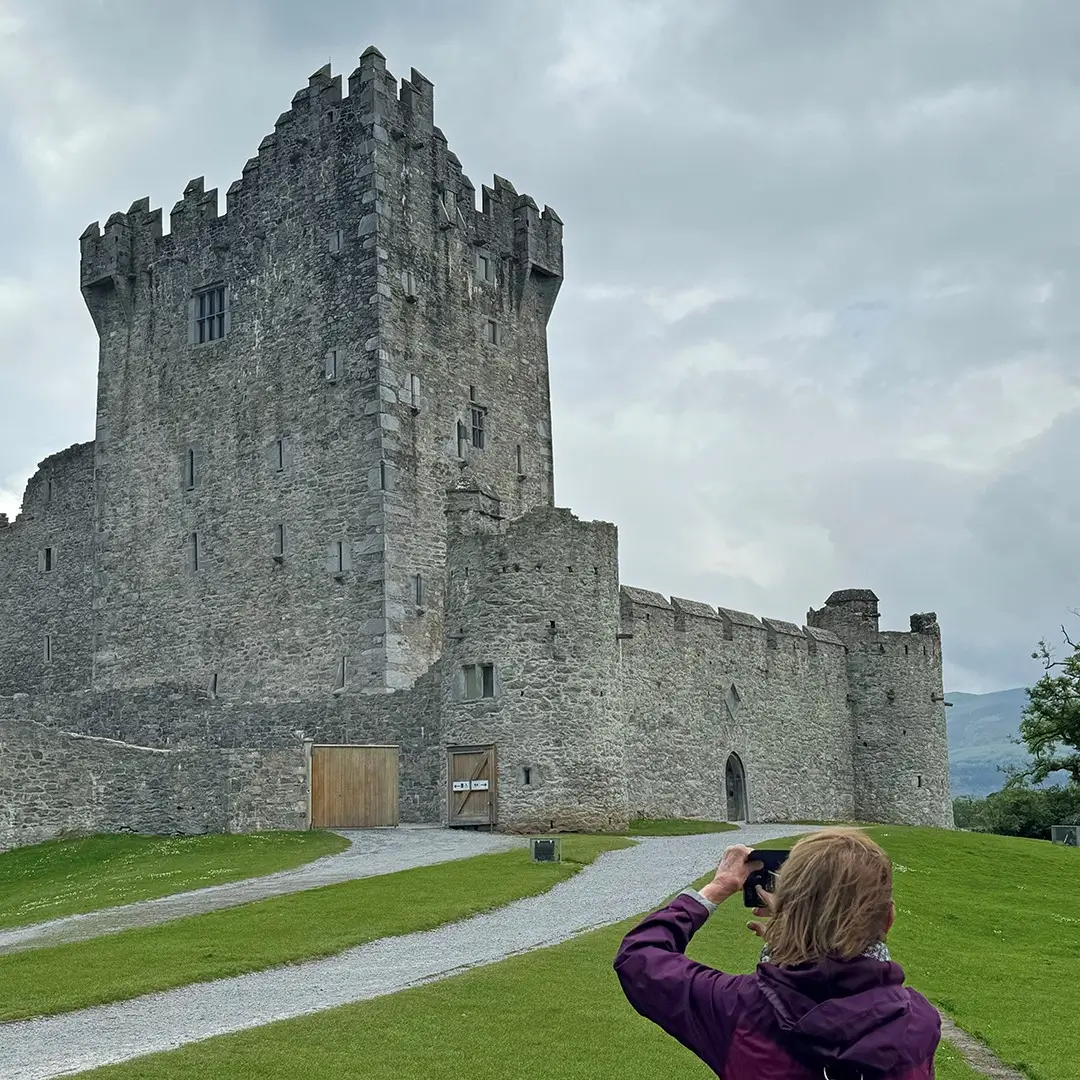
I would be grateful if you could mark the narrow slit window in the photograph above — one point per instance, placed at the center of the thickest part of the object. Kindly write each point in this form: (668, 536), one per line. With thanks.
(213, 684)
(487, 679)
(210, 309)
(520, 461)
(194, 544)
(342, 672)
(189, 470)
(485, 267)
(462, 440)
(414, 391)
(47, 650)
(492, 332)
(526, 776)
(49, 492)
(332, 369)
(339, 557)
(279, 540)
(418, 589)
(48, 560)
(279, 452)
(382, 475)
(408, 280)
(337, 241)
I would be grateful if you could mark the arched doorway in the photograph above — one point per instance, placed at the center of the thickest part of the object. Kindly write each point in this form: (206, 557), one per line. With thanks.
(736, 789)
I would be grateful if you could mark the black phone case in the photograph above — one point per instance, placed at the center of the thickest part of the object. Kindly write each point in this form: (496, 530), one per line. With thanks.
(773, 860)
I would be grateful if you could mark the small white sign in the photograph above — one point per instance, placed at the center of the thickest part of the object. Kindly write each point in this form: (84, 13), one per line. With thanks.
(479, 785)
(461, 785)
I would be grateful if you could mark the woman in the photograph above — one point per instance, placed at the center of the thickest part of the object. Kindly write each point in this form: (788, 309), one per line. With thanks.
(825, 1000)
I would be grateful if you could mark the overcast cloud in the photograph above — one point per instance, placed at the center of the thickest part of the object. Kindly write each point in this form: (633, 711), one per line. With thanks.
(820, 320)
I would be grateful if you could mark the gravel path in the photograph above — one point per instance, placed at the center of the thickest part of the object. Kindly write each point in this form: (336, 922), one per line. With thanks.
(371, 852)
(618, 885)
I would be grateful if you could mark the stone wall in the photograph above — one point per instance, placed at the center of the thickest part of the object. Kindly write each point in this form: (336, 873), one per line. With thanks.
(446, 269)
(700, 684)
(46, 627)
(248, 751)
(276, 442)
(53, 782)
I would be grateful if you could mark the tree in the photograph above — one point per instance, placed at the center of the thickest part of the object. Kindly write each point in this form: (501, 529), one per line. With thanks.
(1050, 724)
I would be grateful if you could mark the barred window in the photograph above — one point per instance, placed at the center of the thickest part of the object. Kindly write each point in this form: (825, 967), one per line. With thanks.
(479, 415)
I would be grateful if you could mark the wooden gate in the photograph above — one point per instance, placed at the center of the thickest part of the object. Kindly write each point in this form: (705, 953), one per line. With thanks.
(354, 787)
(473, 785)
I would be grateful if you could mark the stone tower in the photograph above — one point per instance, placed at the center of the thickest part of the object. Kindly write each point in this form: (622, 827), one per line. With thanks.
(287, 391)
(900, 748)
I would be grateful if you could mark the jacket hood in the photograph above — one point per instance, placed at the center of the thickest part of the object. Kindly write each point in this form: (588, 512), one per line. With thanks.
(851, 1012)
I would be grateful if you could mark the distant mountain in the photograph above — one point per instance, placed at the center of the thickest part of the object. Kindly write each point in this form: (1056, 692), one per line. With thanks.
(981, 730)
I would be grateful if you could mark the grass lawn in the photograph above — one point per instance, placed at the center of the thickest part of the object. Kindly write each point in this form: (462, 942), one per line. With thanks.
(675, 827)
(285, 929)
(967, 935)
(70, 877)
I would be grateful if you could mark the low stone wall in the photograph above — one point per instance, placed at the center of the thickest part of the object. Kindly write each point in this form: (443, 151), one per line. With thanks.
(54, 782)
(168, 759)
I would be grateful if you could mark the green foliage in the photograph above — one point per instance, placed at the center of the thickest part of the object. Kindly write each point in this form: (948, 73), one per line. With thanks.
(282, 930)
(1019, 811)
(1050, 725)
(71, 877)
(983, 922)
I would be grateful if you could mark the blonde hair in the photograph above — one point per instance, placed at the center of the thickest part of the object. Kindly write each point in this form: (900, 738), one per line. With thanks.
(832, 898)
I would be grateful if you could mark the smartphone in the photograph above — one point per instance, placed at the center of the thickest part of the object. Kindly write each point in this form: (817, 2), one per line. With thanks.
(766, 877)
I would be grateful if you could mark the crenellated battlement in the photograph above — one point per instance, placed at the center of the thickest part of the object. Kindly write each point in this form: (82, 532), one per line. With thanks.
(642, 606)
(195, 209)
(380, 124)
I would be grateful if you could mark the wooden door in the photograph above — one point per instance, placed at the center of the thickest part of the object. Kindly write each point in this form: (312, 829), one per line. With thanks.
(736, 789)
(354, 787)
(473, 785)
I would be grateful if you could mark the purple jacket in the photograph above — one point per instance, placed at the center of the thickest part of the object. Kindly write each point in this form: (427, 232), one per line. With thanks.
(855, 1017)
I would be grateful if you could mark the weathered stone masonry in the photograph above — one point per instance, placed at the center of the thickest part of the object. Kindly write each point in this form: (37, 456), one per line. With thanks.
(322, 485)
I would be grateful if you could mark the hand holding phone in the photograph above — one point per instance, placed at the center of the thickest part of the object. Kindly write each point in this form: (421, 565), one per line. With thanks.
(771, 861)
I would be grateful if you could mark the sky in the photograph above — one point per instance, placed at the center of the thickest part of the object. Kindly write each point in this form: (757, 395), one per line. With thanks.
(820, 317)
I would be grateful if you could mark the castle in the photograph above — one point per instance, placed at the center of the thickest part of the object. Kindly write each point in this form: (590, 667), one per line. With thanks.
(310, 570)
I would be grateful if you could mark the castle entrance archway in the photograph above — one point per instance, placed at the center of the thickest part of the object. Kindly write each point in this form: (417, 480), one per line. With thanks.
(736, 789)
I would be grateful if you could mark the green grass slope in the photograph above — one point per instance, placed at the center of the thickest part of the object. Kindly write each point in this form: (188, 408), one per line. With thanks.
(72, 877)
(987, 928)
(282, 930)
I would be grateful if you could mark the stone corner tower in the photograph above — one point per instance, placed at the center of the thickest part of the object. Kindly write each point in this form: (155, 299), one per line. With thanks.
(900, 751)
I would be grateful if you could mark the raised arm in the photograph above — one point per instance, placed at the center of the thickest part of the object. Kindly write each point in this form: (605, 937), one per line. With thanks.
(692, 1002)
